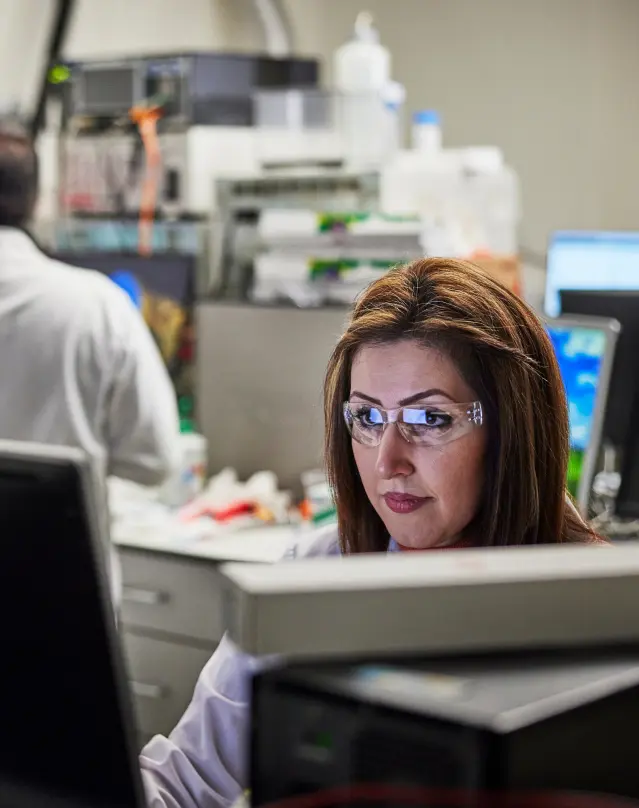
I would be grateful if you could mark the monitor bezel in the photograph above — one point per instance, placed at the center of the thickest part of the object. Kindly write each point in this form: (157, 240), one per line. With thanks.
(612, 329)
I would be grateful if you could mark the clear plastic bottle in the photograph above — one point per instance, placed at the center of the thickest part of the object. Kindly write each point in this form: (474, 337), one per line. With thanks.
(362, 64)
(362, 73)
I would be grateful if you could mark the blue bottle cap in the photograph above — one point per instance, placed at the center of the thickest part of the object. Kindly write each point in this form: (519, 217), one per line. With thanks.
(427, 116)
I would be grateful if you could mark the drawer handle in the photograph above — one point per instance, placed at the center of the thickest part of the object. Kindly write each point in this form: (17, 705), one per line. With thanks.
(147, 691)
(146, 597)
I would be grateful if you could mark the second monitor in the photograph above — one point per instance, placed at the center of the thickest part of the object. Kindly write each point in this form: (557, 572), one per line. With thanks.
(585, 349)
(619, 428)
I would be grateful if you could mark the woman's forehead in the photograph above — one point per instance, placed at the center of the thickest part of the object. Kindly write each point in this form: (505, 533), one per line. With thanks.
(395, 371)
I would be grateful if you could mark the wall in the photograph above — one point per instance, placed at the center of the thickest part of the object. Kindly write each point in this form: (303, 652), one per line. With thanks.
(23, 42)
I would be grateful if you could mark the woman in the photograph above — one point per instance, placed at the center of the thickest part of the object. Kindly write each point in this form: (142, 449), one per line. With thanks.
(446, 427)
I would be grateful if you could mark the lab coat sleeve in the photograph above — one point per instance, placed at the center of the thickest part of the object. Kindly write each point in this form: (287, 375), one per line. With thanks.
(204, 762)
(142, 421)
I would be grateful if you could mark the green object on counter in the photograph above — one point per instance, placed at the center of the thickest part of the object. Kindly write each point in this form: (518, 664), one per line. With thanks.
(185, 410)
(322, 517)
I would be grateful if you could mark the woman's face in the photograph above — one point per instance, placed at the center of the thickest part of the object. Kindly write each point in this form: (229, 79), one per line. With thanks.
(441, 484)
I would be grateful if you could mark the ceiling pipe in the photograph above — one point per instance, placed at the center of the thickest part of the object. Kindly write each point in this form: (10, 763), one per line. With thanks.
(277, 30)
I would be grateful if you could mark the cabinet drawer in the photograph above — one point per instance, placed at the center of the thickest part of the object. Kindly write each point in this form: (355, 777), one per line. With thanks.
(162, 676)
(174, 596)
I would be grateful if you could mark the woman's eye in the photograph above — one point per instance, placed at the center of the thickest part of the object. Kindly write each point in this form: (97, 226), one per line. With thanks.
(435, 419)
(368, 417)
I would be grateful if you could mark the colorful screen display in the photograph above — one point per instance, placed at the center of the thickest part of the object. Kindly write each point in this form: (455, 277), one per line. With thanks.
(580, 352)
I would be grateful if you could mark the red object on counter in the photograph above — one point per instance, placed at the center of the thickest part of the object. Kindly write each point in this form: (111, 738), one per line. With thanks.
(241, 508)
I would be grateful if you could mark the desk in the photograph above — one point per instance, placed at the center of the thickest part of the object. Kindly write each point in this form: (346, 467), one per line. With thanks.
(171, 612)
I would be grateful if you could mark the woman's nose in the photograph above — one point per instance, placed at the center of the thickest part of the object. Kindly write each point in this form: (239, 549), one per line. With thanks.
(393, 455)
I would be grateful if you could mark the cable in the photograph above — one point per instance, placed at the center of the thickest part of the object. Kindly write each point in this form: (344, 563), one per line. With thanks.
(146, 119)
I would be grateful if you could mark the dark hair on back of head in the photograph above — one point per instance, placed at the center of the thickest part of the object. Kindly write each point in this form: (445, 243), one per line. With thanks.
(18, 175)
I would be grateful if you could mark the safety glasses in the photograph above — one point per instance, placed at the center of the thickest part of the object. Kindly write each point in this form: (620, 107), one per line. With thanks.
(422, 424)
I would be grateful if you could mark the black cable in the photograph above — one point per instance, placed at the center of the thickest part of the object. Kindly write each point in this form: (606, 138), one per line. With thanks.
(64, 10)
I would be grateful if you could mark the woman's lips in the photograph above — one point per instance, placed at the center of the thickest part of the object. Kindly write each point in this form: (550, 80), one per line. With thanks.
(404, 503)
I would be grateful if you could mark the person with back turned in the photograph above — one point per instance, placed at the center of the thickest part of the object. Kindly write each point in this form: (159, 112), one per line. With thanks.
(78, 365)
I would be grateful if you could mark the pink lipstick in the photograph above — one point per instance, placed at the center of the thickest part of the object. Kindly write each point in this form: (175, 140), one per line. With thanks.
(404, 503)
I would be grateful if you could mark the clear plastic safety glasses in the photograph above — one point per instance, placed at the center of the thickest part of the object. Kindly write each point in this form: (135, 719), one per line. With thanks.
(422, 424)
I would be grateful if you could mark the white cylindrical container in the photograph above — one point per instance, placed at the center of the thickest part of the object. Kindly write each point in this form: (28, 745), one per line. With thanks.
(362, 65)
(189, 478)
(427, 131)
(362, 69)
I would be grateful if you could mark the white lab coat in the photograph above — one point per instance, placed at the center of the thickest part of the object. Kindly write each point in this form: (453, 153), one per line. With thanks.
(79, 367)
(203, 763)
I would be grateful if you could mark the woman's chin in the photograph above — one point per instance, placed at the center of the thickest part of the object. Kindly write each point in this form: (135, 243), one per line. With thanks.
(419, 542)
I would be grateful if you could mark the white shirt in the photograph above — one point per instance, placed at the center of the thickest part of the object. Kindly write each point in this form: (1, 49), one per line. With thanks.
(203, 763)
(79, 367)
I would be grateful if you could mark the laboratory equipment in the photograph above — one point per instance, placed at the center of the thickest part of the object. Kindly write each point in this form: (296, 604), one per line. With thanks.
(623, 306)
(101, 173)
(590, 260)
(259, 382)
(241, 201)
(585, 350)
(468, 199)
(299, 126)
(67, 721)
(317, 258)
(192, 88)
(486, 599)
(527, 729)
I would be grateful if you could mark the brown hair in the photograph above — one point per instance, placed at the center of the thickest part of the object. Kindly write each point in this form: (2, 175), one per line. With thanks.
(505, 355)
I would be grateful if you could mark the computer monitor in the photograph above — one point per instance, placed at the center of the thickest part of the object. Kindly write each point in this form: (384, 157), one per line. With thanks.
(590, 260)
(623, 306)
(65, 714)
(161, 285)
(166, 275)
(585, 349)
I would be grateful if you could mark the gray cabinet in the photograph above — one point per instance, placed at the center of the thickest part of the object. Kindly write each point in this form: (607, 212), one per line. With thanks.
(170, 624)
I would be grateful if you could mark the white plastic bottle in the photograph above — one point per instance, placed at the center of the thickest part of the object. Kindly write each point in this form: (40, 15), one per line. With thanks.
(362, 69)
(362, 65)
(427, 131)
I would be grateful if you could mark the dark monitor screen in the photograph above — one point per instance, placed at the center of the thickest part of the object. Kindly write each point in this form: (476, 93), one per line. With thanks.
(624, 307)
(169, 275)
(65, 718)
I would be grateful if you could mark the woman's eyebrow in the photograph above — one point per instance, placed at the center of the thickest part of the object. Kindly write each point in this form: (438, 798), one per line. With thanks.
(434, 391)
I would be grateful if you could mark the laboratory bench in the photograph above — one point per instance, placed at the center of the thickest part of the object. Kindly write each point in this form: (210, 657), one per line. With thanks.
(171, 612)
